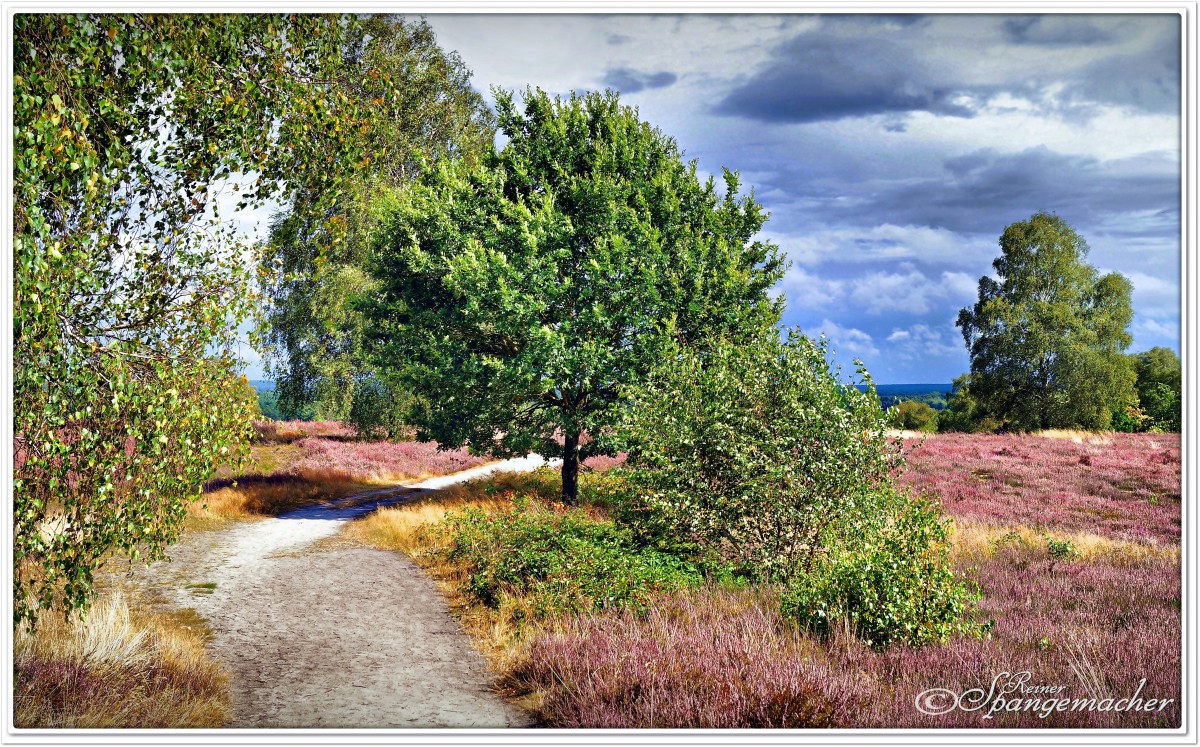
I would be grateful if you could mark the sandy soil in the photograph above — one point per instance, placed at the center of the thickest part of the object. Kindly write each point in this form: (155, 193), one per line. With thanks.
(343, 637)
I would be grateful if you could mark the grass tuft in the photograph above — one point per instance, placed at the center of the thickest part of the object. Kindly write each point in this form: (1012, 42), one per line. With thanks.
(119, 669)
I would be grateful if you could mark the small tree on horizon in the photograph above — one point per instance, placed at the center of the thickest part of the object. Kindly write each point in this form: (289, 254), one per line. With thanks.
(1047, 339)
(517, 297)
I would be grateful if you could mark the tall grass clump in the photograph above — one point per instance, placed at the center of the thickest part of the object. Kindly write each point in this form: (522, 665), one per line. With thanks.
(118, 668)
(759, 454)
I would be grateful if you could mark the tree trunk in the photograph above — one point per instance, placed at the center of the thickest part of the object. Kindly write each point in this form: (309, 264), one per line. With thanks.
(570, 469)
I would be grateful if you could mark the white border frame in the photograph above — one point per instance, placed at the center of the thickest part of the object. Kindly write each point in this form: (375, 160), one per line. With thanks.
(1186, 734)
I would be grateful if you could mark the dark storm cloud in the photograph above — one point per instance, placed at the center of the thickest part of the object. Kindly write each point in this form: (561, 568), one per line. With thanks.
(985, 190)
(902, 20)
(816, 77)
(628, 80)
(853, 66)
(1148, 81)
(1054, 31)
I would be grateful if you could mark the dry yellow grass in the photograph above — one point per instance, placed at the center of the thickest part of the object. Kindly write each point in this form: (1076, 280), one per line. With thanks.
(981, 541)
(904, 433)
(121, 668)
(1091, 437)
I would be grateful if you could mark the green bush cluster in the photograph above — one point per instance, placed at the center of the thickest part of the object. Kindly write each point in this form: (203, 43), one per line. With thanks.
(559, 561)
(914, 416)
(895, 585)
(759, 454)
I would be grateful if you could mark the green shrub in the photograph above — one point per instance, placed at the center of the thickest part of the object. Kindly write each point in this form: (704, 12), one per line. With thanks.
(963, 413)
(914, 416)
(1163, 407)
(564, 561)
(1061, 549)
(752, 451)
(1129, 420)
(892, 583)
(758, 454)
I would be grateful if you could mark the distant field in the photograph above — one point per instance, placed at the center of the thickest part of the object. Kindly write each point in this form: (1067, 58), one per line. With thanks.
(1122, 486)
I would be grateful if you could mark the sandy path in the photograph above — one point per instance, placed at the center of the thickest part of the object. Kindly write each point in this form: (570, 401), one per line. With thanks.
(348, 637)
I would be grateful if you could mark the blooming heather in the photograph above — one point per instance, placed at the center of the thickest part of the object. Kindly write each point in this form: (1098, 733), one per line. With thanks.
(324, 459)
(1124, 486)
(710, 659)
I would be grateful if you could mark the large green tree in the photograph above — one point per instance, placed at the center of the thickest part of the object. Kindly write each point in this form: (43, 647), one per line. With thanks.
(313, 269)
(517, 296)
(127, 287)
(1046, 338)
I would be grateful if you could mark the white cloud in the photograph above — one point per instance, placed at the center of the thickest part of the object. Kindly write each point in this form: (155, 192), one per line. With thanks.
(1111, 133)
(1154, 296)
(921, 342)
(889, 242)
(806, 290)
(848, 339)
(1154, 328)
(910, 291)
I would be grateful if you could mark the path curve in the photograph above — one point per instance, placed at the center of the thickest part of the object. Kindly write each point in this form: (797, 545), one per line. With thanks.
(350, 637)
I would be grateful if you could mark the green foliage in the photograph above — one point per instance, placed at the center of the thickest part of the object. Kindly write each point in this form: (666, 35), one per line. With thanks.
(1160, 388)
(1129, 419)
(755, 450)
(126, 287)
(1159, 365)
(1063, 549)
(268, 406)
(559, 561)
(914, 416)
(890, 580)
(1046, 340)
(517, 297)
(1163, 407)
(758, 452)
(936, 400)
(963, 413)
(422, 108)
(250, 395)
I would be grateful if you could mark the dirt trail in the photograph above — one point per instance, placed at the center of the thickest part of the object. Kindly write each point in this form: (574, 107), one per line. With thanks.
(345, 637)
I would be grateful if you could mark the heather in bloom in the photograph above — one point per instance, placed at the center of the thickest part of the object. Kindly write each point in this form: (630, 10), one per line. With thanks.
(714, 659)
(326, 459)
(1124, 486)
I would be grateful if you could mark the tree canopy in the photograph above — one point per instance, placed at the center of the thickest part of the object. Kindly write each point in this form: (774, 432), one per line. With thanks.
(314, 264)
(1046, 339)
(518, 295)
(127, 287)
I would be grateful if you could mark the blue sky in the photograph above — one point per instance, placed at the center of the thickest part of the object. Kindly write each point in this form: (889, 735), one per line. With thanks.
(893, 150)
